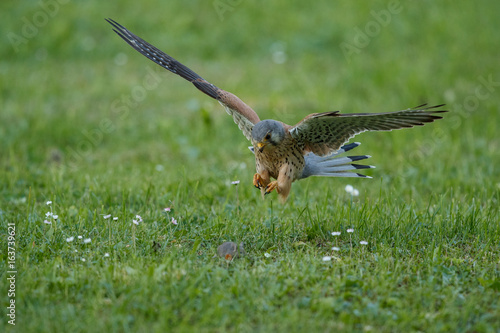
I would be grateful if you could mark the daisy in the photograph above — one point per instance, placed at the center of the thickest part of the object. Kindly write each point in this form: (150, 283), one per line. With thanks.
(174, 221)
(336, 233)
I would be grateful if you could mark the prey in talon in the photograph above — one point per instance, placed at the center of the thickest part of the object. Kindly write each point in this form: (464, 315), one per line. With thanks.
(286, 153)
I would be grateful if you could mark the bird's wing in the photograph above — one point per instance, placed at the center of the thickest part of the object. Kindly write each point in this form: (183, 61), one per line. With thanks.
(242, 114)
(325, 133)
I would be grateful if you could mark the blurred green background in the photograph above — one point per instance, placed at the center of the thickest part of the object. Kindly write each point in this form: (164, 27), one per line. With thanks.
(97, 128)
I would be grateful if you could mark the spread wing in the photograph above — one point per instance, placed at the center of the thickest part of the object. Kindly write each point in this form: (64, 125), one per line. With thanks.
(242, 114)
(325, 133)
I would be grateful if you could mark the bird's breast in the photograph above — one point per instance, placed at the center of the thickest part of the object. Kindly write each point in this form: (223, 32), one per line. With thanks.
(273, 158)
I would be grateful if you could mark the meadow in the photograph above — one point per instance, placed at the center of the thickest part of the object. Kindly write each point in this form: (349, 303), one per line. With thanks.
(94, 136)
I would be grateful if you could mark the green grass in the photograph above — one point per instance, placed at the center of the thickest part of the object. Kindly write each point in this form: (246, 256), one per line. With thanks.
(430, 215)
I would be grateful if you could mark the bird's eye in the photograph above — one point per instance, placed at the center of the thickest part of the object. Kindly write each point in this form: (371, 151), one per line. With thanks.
(268, 136)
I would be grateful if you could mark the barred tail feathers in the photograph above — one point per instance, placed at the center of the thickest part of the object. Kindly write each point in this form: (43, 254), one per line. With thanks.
(334, 166)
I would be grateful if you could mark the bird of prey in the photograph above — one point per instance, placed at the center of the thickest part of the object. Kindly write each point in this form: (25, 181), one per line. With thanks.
(289, 153)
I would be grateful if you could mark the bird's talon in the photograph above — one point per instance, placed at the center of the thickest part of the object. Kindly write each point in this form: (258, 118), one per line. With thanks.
(271, 186)
(257, 181)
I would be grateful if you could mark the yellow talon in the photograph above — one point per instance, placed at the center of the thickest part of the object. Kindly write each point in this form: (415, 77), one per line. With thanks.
(257, 181)
(271, 186)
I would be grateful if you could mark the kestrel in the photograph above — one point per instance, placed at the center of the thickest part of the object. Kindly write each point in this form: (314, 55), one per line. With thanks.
(289, 153)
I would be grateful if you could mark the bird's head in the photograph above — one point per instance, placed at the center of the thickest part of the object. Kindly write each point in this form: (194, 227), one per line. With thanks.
(267, 132)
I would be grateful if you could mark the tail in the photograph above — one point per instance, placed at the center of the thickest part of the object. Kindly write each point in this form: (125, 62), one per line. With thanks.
(334, 166)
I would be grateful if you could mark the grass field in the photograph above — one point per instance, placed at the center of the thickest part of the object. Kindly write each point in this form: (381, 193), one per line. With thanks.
(97, 129)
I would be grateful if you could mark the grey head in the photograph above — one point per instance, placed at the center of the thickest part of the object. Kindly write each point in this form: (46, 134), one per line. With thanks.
(268, 132)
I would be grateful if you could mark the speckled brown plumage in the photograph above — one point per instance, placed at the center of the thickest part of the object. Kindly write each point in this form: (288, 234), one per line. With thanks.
(288, 153)
(283, 162)
(323, 133)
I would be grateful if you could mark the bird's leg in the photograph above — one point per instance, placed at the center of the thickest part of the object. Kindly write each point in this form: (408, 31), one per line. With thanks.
(260, 180)
(283, 185)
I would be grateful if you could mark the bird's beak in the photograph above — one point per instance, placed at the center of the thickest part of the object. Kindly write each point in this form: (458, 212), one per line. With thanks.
(261, 146)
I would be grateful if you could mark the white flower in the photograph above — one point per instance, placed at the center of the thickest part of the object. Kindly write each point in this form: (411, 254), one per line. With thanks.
(80, 237)
(70, 239)
(349, 188)
(336, 233)
(107, 216)
(106, 255)
(115, 218)
(363, 243)
(236, 182)
(267, 255)
(55, 217)
(168, 209)
(47, 222)
(83, 259)
(350, 230)
(48, 214)
(49, 202)
(335, 248)
(355, 192)
(327, 258)
(87, 240)
(138, 218)
(76, 250)
(135, 222)
(174, 221)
